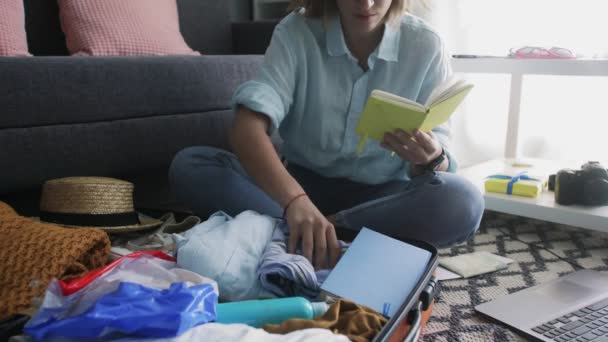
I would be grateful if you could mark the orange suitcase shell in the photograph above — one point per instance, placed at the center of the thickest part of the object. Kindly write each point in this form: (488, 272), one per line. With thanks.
(411, 318)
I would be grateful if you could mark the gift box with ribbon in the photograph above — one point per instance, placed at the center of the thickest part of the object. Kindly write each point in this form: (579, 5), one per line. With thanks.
(519, 184)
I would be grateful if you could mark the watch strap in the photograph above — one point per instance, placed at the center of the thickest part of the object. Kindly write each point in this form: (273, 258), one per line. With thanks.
(433, 164)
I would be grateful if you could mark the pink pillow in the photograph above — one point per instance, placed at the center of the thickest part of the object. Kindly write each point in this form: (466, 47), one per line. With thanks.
(122, 27)
(13, 41)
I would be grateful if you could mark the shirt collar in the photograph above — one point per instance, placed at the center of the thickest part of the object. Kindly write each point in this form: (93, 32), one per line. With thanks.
(387, 50)
(389, 45)
(336, 45)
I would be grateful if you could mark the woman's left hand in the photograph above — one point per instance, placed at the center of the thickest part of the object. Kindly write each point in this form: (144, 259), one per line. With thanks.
(419, 148)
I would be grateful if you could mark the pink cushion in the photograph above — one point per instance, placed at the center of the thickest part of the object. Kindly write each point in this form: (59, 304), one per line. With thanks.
(13, 40)
(122, 27)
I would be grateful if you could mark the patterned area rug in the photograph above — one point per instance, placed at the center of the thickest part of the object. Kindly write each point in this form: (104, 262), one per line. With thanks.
(454, 317)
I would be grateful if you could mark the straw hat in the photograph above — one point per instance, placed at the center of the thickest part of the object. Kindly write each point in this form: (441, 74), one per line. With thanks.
(104, 203)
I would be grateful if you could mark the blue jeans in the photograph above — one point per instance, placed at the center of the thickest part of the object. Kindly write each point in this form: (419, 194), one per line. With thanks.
(438, 207)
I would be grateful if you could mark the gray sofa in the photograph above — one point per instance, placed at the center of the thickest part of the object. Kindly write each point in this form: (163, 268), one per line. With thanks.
(123, 117)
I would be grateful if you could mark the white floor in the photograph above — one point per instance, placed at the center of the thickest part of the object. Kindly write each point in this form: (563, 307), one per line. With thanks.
(542, 207)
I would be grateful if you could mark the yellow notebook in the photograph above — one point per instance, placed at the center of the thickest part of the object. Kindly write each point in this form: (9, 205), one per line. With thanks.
(385, 112)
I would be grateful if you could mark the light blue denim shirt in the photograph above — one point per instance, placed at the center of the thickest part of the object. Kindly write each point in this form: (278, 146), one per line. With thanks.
(313, 91)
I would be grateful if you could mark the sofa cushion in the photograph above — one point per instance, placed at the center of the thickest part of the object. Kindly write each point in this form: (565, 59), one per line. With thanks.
(12, 29)
(45, 38)
(111, 116)
(106, 149)
(66, 90)
(122, 28)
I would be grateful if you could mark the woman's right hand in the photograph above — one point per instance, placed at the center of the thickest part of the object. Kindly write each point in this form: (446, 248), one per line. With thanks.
(318, 236)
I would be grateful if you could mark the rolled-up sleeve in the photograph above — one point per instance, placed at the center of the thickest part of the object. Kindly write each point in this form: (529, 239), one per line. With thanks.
(439, 71)
(271, 92)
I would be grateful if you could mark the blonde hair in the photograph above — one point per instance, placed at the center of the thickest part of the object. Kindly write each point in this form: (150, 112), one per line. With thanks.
(327, 8)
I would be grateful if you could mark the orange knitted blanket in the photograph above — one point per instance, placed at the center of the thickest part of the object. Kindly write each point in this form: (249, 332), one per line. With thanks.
(32, 253)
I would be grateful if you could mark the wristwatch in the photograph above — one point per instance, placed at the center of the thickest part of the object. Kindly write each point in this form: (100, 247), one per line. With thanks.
(433, 164)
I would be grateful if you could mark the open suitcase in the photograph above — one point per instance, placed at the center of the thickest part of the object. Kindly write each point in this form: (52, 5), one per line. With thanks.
(405, 325)
(413, 314)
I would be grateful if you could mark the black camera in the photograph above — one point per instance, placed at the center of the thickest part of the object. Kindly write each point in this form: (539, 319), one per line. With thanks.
(587, 186)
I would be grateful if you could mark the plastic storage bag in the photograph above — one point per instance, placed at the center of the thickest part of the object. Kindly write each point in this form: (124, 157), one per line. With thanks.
(142, 294)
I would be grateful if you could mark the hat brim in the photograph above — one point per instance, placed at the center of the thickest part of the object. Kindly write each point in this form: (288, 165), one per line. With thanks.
(145, 222)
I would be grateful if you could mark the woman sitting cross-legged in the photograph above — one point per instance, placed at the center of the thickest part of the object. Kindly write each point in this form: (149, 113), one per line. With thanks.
(323, 61)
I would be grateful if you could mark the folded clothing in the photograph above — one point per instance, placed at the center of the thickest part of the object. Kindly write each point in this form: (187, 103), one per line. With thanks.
(228, 250)
(159, 239)
(32, 253)
(288, 275)
(247, 256)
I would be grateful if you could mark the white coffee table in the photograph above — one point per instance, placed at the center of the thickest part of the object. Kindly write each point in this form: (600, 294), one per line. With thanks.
(542, 207)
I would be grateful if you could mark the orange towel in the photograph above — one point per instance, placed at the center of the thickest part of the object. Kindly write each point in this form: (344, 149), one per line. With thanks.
(357, 322)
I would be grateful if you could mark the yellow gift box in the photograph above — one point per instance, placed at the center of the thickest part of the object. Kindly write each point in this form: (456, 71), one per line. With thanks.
(520, 184)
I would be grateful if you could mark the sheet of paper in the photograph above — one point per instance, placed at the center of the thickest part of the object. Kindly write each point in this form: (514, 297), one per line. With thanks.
(504, 259)
(472, 264)
(443, 274)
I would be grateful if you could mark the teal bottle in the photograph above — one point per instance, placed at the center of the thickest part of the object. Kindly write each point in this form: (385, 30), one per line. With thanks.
(256, 313)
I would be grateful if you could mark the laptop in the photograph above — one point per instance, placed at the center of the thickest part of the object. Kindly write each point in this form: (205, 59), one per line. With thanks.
(571, 308)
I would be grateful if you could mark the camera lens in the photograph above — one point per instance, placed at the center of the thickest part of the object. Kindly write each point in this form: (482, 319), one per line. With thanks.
(567, 187)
